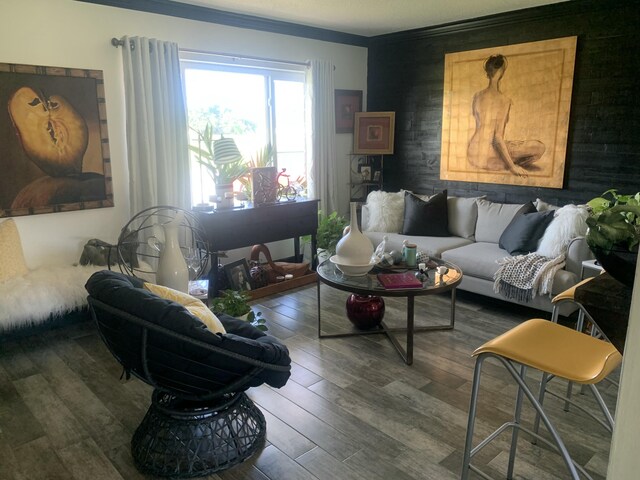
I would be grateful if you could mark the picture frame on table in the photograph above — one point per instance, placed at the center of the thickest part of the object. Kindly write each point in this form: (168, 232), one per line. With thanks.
(374, 132)
(376, 176)
(263, 185)
(237, 274)
(347, 103)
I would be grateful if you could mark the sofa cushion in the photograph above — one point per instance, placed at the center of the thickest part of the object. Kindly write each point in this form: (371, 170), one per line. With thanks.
(568, 223)
(478, 259)
(426, 218)
(493, 218)
(525, 231)
(385, 211)
(463, 215)
(12, 263)
(432, 246)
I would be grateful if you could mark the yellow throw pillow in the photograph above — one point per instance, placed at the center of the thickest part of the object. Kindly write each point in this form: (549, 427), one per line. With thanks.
(12, 262)
(192, 304)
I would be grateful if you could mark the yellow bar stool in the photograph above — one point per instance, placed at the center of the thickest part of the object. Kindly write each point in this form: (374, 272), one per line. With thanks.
(585, 321)
(551, 348)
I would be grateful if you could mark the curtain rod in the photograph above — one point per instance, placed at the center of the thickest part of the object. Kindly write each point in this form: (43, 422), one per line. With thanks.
(119, 43)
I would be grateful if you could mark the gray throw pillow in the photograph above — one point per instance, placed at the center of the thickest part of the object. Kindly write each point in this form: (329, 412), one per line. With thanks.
(429, 219)
(493, 218)
(524, 232)
(463, 215)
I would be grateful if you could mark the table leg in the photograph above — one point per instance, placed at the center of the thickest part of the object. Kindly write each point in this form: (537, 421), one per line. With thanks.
(319, 324)
(452, 319)
(296, 247)
(410, 328)
(213, 276)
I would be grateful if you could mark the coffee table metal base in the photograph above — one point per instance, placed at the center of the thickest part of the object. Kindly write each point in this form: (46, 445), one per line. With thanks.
(410, 330)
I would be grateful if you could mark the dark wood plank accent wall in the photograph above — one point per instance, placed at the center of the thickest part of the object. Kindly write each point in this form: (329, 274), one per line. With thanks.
(406, 76)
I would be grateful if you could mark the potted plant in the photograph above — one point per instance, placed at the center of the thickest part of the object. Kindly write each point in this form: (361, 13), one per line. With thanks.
(236, 304)
(221, 158)
(330, 229)
(614, 233)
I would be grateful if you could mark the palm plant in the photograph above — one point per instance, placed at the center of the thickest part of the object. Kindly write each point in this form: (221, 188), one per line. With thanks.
(223, 172)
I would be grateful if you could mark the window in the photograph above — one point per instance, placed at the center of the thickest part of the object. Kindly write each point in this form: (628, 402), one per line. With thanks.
(254, 102)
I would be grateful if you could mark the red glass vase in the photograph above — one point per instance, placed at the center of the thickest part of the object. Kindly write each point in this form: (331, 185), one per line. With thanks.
(365, 311)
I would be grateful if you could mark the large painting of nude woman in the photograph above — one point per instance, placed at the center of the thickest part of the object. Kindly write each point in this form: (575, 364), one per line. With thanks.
(506, 113)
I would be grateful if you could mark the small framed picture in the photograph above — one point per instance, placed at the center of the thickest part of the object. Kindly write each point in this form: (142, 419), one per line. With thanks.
(365, 172)
(374, 132)
(348, 102)
(263, 185)
(376, 176)
(238, 275)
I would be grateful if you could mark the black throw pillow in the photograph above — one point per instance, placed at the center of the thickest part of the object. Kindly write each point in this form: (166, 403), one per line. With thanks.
(430, 218)
(528, 207)
(522, 235)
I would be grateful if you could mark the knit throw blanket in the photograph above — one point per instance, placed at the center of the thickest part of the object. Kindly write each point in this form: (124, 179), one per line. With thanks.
(523, 277)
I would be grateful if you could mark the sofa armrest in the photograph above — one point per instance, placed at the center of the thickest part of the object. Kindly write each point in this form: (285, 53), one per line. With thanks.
(577, 252)
(364, 220)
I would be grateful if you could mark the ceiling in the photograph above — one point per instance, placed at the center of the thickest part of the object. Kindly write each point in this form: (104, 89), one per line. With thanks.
(369, 17)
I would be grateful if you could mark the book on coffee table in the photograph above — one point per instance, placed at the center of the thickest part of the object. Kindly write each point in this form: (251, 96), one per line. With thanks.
(399, 280)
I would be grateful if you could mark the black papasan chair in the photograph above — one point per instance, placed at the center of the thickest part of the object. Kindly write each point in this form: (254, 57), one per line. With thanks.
(200, 420)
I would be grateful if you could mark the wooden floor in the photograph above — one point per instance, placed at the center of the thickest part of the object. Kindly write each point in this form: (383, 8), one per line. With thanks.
(351, 410)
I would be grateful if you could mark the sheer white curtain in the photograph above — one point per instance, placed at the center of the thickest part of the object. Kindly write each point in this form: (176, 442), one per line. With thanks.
(323, 172)
(157, 143)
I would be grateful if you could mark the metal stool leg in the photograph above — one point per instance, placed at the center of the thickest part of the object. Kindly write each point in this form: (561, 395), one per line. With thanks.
(473, 409)
(523, 390)
(562, 449)
(543, 389)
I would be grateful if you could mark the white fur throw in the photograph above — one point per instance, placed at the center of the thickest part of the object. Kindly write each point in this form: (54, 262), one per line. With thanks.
(32, 298)
(568, 223)
(386, 211)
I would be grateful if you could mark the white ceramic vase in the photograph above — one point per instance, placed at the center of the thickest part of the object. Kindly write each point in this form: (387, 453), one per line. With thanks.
(354, 248)
(172, 267)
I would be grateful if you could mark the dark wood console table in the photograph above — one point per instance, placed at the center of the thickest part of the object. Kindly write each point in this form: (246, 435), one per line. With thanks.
(244, 227)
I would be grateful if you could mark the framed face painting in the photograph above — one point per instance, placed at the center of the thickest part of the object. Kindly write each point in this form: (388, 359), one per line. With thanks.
(374, 132)
(238, 275)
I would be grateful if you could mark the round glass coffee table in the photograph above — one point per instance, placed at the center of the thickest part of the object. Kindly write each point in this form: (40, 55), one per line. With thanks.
(368, 284)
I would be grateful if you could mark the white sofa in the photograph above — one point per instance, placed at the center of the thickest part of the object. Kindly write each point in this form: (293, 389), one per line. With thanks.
(475, 226)
(31, 297)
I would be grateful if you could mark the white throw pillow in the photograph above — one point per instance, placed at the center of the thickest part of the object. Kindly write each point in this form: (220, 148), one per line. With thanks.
(386, 211)
(568, 223)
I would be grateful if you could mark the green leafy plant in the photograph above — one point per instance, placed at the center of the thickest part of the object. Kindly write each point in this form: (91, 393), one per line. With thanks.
(614, 221)
(330, 228)
(222, 173)
(236, 304)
